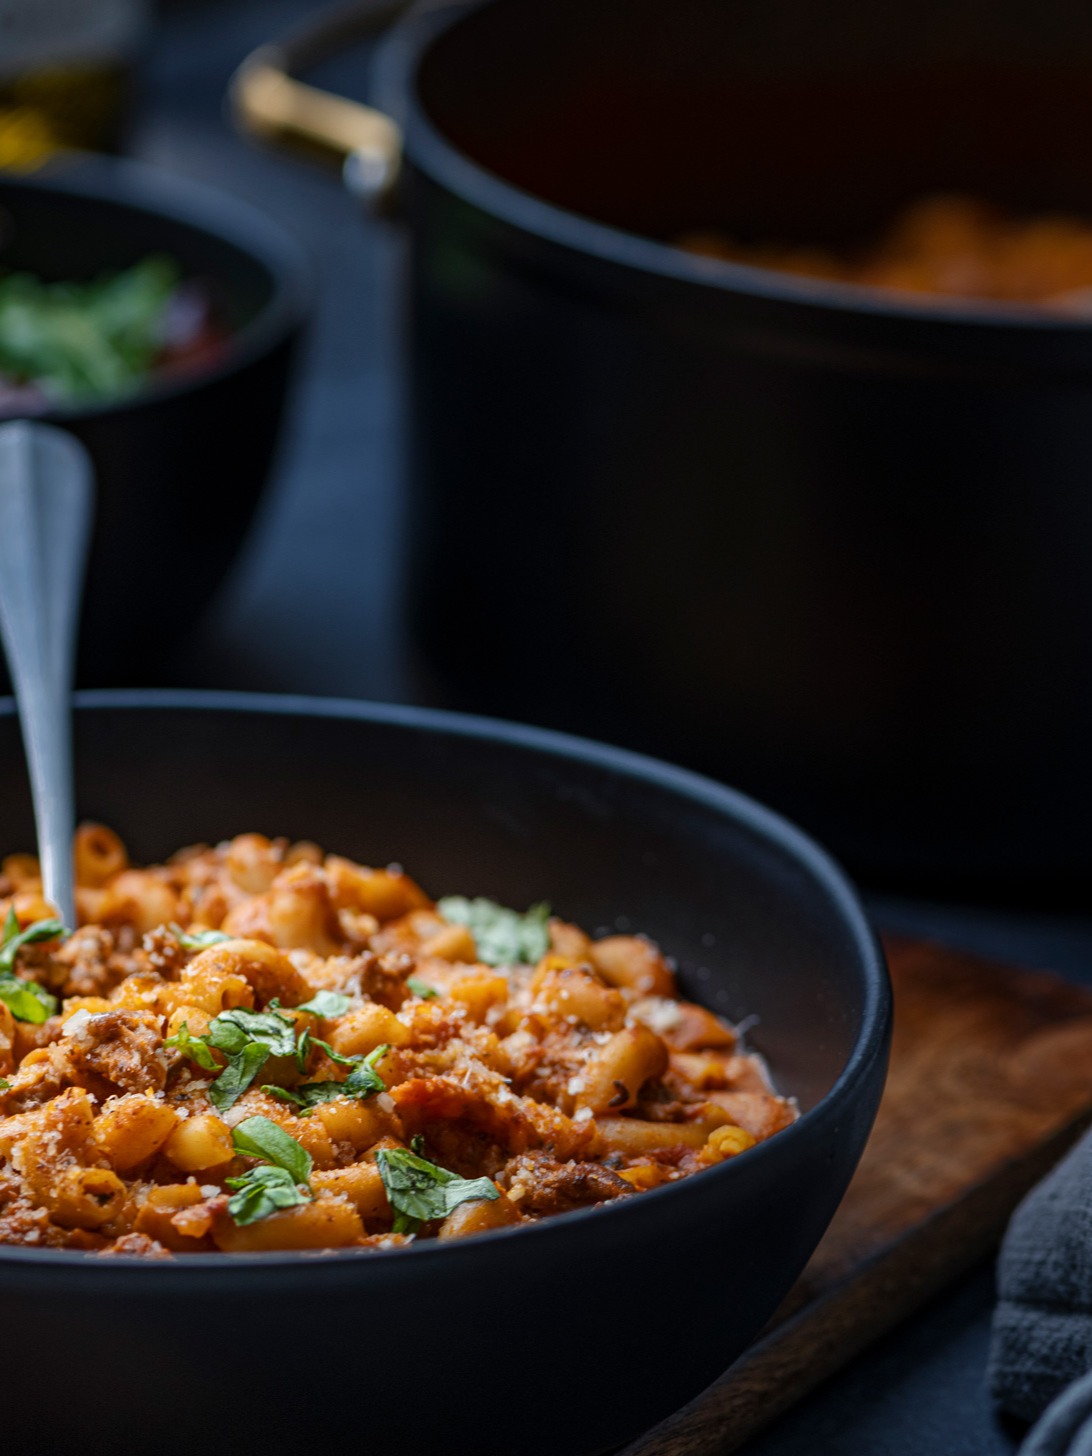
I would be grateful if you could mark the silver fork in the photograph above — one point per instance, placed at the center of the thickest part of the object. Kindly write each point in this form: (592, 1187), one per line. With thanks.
(46, 509)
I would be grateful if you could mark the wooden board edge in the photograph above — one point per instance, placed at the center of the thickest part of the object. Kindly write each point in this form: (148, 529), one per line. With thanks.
(792, 1359)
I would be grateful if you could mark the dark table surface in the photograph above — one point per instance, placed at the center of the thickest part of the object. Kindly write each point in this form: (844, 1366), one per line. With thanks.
(313, 607)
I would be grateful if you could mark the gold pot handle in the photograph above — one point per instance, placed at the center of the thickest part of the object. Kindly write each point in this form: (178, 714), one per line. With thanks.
(269, 103)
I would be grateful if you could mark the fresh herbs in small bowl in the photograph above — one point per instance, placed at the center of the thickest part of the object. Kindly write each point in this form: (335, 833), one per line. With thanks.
(83, 342)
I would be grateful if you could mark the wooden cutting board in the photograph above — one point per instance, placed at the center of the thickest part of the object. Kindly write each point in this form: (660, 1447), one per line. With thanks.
(990, 1082)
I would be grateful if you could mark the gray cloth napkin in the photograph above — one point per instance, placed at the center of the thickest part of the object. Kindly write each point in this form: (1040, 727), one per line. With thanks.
(1066, 1428)
(1042, 1328)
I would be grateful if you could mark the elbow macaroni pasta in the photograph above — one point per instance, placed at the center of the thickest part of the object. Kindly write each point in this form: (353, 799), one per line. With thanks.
(573, 1081)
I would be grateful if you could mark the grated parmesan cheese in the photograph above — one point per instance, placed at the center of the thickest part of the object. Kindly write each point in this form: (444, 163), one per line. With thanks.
(659, 1013)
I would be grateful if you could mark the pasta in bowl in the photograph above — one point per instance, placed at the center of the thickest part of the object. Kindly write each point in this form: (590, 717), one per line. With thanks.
(448, 1345)
(260, 1047)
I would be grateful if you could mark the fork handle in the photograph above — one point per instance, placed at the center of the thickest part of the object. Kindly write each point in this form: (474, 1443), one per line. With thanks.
(46, 508)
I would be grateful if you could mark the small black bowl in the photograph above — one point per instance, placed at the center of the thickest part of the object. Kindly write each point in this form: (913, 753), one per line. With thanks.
(558, 1340)
(181, 462)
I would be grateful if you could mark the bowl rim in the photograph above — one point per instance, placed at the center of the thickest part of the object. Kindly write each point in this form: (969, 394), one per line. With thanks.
(140, 187)
(870, 1042)
(397, 65)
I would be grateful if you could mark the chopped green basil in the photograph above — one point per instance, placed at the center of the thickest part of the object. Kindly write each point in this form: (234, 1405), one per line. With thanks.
(26, 1000)
(5, 1085)
(234, 1030)
(237, 1076)
(261, 1137)
(334, 1056)
(262, 1191)
(420, 1191)
(361, 1082)
(196, 940)
(503, 937)
(303, 1049)
(327, 1003)
(297, 1095)
(194, 1047)
(248, 1039)
(14, 939)
(308, 1095)
(281, 1182)
(421, 988)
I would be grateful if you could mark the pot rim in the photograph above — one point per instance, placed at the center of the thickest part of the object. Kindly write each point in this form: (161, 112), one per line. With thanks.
(397, 66)
(870, 1042)
(135, 186)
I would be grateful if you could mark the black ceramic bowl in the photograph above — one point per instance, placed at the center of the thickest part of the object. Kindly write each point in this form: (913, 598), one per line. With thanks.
(558, 1340)
(182, 462)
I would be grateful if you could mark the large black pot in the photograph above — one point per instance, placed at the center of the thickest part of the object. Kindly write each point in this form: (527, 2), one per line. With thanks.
(558, 1340)
(180, 465)
(831, 546)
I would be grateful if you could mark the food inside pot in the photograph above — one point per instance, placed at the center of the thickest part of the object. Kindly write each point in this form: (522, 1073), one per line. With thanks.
(947, 246)
(74, 343)
(260, 1046)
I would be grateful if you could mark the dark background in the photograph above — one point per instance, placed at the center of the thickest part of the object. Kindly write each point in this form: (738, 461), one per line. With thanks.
(314, 606)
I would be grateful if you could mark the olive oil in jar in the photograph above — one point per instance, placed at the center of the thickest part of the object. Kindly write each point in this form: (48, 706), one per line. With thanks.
(65, 70)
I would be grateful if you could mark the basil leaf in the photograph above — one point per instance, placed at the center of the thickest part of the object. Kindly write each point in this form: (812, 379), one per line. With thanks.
(303, 1050)
(226, 1037)
(361, 1082)
(232, 1031)
(308, 1095)
(26, 1000)
(196, 940)
(503, 937)
(238, 1075)
(419, 1191)
(327, 1003)
(288, 1094)
(263, 1191)
(421, 988)
(13, 943)
(5, 1085)
(261, 1137)
(194, 1047)
(336, 1057)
